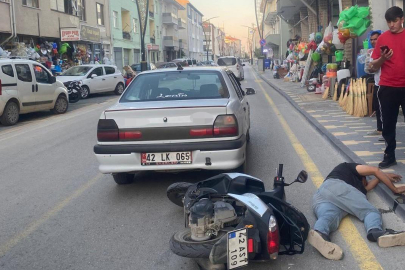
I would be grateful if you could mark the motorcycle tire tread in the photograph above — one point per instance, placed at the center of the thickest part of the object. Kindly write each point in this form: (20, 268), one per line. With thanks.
(195, 250)
(177, 188)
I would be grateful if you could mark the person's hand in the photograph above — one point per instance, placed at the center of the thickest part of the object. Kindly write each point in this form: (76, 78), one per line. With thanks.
(387, 55)
(394, 177)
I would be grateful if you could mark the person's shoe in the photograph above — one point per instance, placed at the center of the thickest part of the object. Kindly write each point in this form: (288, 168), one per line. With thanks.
(374, 133)
(381, 139)
(328, 249)
(391, 238)
(387, 162)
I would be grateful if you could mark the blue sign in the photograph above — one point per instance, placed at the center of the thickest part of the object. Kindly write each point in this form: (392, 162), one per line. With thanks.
(262, 42)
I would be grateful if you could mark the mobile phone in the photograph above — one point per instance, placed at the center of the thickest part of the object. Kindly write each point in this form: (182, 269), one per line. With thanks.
(385, 48)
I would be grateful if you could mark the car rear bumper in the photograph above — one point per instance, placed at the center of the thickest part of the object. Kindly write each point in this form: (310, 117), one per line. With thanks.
(224, 155)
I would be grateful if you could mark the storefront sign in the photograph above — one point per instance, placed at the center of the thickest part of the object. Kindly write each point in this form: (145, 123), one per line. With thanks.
(153, 47)
(88, 33)
(70, 34)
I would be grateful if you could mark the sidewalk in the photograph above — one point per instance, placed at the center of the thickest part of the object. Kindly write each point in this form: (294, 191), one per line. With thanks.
(348, 134)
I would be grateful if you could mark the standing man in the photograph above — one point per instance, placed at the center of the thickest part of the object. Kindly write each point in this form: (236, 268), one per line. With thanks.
(344, 192)
(390, 57)
(376, 107)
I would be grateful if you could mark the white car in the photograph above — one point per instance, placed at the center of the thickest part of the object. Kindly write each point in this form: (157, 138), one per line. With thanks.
(175, 119)
(95, 79)
(27, 86)
(234, 64)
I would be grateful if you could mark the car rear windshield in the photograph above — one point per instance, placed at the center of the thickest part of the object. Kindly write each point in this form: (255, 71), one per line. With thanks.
(227, 61)
(76, 71)
(176, 85)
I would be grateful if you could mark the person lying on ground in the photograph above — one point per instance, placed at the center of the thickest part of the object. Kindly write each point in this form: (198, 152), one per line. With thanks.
(344, 192)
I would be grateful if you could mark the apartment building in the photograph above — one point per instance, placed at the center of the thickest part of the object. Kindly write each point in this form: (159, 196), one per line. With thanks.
(38, 21)
(170, 29)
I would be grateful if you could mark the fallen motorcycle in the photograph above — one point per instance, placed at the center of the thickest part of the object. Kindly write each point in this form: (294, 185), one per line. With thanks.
(75, 91)
(231, 219)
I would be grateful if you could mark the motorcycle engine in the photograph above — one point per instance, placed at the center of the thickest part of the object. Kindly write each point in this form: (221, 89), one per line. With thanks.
(208, 218)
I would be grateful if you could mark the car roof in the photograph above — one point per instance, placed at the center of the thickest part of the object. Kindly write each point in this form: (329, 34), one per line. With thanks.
(223, 69)
(18, 60)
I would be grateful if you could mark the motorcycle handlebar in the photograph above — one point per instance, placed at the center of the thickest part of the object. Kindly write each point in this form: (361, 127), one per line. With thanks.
(280, 170)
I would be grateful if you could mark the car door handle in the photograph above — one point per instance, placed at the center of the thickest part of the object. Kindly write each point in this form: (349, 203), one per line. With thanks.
(244, 108)
(115, 77)
(103, 79)
(36, 87)
(33, 88)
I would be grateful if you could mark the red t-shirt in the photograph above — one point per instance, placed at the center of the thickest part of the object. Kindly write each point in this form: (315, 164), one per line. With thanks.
(393, 70)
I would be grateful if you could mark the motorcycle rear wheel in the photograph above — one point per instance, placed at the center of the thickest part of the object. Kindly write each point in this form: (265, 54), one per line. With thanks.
(175, 192)
(181, 244)
(73, 98)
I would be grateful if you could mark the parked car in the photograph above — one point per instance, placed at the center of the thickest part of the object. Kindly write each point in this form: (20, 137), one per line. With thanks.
(182, 61)
(170, 120)
(137, 67)
(27, 86)
(95, 79)
(166, 65)
(234, 64)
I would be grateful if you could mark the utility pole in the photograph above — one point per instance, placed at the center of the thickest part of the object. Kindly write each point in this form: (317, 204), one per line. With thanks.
(207, 44)
(143, 13)
(251, 32)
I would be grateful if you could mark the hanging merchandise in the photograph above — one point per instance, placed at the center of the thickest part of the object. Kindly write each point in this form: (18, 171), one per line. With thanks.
(353, 22)
(336, 41)
(339, 55)
(4, 53)
(318, 37)
(63, 48)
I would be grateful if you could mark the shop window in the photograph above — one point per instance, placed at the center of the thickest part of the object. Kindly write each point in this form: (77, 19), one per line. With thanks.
(8, 70)
(41, 75)
(23, 72)
(31, 3)
(100, 14)
(109, 70)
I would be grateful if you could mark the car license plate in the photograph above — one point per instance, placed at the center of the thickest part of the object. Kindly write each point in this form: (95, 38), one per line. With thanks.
(167, 158)
(237, 248)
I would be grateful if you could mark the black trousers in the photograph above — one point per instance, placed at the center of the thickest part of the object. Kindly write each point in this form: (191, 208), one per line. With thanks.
(376, 108)
(390, 98)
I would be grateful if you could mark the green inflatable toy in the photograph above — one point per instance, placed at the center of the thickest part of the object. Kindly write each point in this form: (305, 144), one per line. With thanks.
(355, 19)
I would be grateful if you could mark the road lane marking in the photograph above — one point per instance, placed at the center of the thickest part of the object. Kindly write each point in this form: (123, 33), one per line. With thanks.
(4, 248)
(358, 247)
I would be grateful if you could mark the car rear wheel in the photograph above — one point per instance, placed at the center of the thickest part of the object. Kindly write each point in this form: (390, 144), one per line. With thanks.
(85, 92)
(119, 89)
(61, 105)
(11, 114)
(123, 178)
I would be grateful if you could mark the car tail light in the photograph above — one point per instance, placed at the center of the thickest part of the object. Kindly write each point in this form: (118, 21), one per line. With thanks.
(107, 130)
(201, 132)
(1, 88)
(226, 125)
(125, 135)
(273, 238)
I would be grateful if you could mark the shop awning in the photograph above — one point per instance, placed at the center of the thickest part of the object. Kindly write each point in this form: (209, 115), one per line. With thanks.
(273, 39)
(287, 9)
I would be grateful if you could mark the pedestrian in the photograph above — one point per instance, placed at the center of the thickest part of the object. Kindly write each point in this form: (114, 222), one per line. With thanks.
(389, 56)
(374, 35)
(344, 192)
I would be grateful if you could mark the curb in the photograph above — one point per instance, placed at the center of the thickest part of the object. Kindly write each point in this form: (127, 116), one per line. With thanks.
(383, 191)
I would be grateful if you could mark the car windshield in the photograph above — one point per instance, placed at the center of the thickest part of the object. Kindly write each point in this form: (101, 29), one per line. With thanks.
(76, 71)
(227, 61)
(176, 85)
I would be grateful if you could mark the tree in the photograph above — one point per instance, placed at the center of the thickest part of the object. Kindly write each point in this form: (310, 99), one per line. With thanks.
(258, 52)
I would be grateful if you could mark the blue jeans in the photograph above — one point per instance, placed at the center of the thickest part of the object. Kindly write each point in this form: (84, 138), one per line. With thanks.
(335, 199)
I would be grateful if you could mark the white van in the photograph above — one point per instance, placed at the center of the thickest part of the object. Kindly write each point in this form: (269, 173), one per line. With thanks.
(27, 86)
(234, 64)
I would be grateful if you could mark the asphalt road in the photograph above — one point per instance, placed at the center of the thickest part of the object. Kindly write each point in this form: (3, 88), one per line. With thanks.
(59, 212)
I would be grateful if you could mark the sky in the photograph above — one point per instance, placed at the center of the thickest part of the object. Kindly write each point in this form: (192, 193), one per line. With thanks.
(231, 14)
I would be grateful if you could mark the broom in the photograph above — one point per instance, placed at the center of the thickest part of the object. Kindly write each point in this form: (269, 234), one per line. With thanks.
(356, 107)
(326, 93)
(349, 106)
(344, 101)
(335, 92)
(365, 108)
(342, 93)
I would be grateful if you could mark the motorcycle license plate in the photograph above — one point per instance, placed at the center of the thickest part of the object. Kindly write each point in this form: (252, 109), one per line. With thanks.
(167, 158)
(237, 248)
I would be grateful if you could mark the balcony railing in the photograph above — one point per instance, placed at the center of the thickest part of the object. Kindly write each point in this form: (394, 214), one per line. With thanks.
(169, 18)
(181, 24)
(170, 41)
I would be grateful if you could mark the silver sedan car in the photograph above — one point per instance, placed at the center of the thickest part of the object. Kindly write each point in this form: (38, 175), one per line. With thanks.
(175, 119)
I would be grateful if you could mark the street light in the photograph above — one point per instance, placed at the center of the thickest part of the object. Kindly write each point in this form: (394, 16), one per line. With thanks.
(251, 46)
(143, 12)
(206, 40)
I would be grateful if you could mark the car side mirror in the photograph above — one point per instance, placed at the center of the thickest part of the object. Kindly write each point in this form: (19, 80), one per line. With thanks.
(250, 91)
(52, 79)
(93, 75)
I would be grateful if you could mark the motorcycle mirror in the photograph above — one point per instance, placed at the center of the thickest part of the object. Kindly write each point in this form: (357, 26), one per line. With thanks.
(302, 177)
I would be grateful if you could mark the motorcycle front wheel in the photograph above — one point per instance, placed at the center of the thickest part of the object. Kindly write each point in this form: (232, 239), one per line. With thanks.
(74, 97)
(175, 192)
(181, 244)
